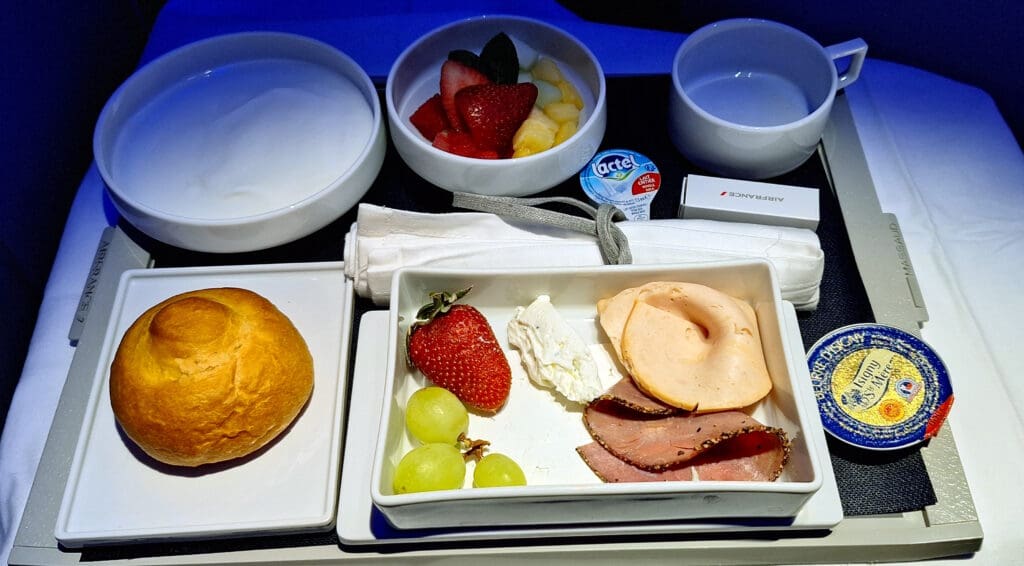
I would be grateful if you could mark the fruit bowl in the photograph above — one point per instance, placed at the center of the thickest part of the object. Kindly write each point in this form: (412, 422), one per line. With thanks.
(541, 431)
(416, 76)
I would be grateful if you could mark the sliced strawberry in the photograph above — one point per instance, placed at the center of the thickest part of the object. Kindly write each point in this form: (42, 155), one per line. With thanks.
(454, 77)
(459, 143)
(493, 112)
(462, 143)
(430, 117)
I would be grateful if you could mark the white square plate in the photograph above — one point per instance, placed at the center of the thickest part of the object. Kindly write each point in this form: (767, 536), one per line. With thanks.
(360, 523)
(542, 434)
(113, 496)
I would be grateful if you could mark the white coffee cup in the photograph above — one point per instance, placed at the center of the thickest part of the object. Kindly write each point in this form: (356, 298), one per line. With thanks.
(750, 97)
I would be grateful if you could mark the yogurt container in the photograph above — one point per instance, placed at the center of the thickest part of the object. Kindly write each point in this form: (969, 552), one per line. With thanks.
(623, 178)
(879, 387)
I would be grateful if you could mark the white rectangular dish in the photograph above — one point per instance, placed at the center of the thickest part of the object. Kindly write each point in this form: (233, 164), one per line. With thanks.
(542, 434)
(361, 524)
(112, 496)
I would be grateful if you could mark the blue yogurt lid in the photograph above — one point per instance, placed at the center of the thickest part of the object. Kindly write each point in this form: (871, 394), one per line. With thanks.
(623, 178)
(879, 387)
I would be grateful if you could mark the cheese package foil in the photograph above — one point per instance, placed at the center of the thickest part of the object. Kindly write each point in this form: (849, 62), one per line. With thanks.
(879, 387)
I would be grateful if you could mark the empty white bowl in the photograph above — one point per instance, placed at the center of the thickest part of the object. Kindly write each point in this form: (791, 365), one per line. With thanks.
(240, 142)
(415, 77)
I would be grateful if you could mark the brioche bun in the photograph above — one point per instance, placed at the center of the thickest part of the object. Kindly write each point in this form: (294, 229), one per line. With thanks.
(209, 376)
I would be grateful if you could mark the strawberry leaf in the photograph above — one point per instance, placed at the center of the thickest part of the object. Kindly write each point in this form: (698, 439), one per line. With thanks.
(470, 59)
(499, 56)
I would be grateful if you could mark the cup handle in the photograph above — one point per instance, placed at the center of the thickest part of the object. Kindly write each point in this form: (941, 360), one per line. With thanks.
(855, 48)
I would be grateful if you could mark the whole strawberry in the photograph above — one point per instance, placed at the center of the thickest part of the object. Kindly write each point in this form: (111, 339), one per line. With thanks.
(454, 347)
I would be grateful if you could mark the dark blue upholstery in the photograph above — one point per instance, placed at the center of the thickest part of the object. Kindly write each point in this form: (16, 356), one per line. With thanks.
(61, 60)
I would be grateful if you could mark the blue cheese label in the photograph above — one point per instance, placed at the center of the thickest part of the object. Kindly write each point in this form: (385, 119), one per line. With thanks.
(624, 179)
(879, 387)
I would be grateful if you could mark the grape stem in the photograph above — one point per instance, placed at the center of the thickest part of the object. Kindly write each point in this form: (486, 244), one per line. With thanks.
(474, 448)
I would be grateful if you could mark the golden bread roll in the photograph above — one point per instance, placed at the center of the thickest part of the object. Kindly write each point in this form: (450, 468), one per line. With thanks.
(208, 376)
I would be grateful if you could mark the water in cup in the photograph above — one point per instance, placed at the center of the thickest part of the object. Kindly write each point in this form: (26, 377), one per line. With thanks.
(751, 98)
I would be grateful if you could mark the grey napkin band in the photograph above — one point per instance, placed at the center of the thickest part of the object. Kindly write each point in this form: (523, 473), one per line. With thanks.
(611, 239)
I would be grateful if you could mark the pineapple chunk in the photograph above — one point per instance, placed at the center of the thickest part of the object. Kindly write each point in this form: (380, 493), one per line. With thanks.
(538, 115)
(533, 136)
(562, 112)
(565, 131)
(546, 70)
(570, 94)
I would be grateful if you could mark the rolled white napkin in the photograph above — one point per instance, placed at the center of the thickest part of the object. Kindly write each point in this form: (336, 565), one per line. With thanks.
(383, 240)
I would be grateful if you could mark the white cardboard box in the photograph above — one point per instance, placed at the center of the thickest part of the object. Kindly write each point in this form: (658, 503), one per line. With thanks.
(733, 200)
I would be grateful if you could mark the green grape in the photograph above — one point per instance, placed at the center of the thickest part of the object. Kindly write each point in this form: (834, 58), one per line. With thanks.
(430, 467)
(497, 470)
(434, 414)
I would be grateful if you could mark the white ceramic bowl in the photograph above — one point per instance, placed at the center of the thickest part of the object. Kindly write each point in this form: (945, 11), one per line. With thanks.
(415, 77)
(240, 142)
(541, 433)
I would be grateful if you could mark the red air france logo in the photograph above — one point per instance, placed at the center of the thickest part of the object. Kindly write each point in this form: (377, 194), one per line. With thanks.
(751, 196)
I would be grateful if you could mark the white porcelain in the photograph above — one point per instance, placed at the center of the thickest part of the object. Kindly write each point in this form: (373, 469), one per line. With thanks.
(750, 98)
(356, 524)
(240, 142)
(415, 77)
(541, 433)
(117, 494)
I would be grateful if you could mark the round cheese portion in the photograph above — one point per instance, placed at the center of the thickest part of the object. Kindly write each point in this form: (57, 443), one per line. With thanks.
(209, 376)
(879, 387)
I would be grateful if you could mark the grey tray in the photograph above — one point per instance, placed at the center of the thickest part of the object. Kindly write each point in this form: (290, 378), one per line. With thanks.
(948, 528)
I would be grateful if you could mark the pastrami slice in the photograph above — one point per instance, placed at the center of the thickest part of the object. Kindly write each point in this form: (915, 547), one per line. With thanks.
(613, 470)
(628, 395)
(738, 447)
(757, 455)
